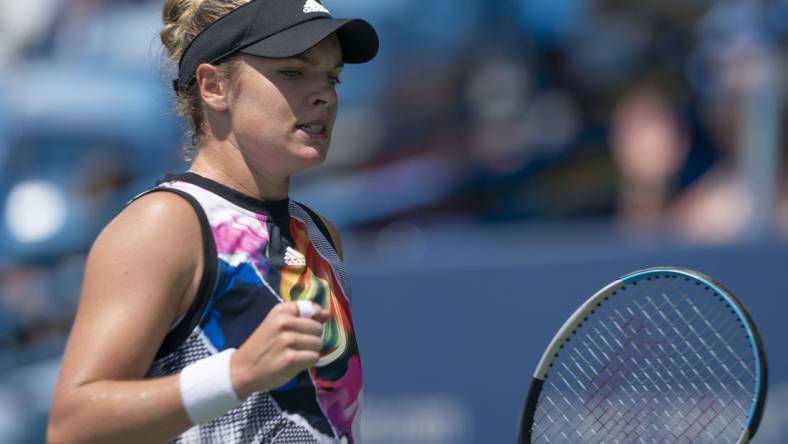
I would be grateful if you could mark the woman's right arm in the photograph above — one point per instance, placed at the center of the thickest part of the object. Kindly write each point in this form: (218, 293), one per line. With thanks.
(141, 275)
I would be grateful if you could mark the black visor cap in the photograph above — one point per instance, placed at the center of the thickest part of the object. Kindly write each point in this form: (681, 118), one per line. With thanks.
(353, 35)
(275, 28)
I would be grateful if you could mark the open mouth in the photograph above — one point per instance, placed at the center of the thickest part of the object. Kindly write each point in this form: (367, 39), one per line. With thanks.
(311, 129)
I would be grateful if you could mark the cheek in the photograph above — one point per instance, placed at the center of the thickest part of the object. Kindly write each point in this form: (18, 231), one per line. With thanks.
(262, 113)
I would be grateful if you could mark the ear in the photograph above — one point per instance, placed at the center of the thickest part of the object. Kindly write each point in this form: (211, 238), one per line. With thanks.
(212, 90)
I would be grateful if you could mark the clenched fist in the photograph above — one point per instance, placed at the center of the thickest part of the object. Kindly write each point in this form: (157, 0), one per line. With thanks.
(283, 345)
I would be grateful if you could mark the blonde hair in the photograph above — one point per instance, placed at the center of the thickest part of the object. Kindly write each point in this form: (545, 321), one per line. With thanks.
(183, 21)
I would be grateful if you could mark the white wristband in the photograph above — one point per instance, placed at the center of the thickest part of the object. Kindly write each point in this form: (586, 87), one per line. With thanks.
(207, 388)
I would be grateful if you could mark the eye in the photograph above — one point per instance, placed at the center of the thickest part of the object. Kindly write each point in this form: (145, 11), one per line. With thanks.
(290, 73)
(335, 80)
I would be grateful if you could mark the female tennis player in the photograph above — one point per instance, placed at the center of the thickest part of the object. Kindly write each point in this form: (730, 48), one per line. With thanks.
(214, 308)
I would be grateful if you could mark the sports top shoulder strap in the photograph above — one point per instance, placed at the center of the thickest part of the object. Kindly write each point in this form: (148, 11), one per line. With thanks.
(320, 224)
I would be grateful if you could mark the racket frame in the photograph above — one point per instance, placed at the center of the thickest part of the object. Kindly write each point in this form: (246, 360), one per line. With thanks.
(576, 320)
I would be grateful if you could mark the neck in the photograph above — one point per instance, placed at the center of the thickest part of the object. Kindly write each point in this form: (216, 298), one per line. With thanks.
(224, 164)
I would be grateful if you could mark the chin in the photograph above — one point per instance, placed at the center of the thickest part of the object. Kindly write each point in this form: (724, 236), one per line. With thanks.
(310, 157)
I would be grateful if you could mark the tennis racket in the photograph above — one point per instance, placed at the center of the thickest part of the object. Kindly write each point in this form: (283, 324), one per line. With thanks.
(662, 355)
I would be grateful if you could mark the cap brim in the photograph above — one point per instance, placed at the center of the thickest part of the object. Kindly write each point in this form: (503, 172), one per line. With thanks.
(358, 39)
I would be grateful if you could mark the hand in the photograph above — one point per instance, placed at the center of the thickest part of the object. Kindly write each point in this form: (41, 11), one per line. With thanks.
(283, 345)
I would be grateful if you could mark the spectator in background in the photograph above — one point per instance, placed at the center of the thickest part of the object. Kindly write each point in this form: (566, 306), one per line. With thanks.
(649, 144)
(733, 73)
(717, 207)
(742, 95)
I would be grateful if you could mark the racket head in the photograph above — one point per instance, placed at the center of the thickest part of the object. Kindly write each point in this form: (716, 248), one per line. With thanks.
(664, 354)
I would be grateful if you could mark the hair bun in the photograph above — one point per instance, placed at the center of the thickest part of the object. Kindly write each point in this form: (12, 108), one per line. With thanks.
(178, 17)
(182, 21)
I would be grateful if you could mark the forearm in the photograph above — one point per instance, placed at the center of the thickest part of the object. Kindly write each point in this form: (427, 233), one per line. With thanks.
(148, 411)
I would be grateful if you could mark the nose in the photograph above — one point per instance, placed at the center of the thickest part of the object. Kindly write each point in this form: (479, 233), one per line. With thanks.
(324, 93)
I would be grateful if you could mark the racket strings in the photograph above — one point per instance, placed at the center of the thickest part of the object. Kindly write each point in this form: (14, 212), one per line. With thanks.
(659, 369)
(730, 323)
(642, 383)
(693, 366)
(705, 406)
(729, 330)
(602, 383)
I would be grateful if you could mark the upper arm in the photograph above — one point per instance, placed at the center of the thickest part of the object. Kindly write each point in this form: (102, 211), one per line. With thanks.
(138, 278)
(332, 230)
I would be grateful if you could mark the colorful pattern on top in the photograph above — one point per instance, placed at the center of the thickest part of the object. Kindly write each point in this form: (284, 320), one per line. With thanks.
(265, 257)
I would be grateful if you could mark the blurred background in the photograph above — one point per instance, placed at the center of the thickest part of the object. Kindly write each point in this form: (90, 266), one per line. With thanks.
(496, 153)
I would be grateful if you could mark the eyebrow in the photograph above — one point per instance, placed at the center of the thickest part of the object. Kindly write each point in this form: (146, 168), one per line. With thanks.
(310, 61)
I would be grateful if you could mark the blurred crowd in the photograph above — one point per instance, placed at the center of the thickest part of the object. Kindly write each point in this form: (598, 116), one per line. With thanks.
(666, 118)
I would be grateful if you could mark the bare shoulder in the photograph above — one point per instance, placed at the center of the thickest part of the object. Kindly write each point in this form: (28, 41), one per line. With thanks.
(158, 209)
(139, 276)
(158, 229)
(332, 230)
(155, 241)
